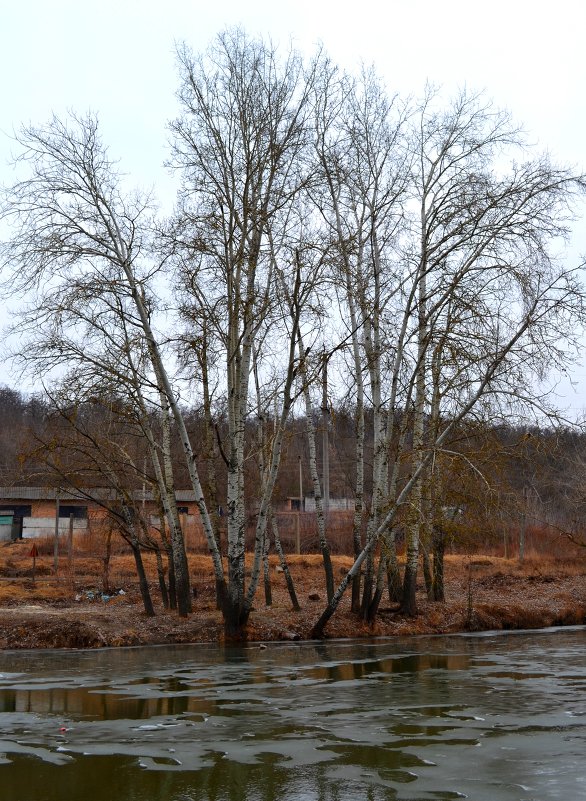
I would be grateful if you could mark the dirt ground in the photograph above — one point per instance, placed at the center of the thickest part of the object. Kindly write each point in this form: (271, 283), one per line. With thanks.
(70, 611)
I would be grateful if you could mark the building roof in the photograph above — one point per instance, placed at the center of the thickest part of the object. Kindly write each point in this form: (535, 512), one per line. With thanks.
(82, 494)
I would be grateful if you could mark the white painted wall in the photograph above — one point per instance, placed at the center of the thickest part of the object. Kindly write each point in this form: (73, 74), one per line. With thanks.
(45, 527)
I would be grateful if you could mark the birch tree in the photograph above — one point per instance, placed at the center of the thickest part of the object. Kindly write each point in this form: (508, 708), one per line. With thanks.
(364, 171)
(80, 247)
(241, 145)
(486, 228)
(482, 241)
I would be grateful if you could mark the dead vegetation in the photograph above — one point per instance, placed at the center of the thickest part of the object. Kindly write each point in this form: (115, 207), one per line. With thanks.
(69, 610)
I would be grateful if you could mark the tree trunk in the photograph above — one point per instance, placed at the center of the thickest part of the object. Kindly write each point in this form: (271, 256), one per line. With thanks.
(165, 386)
(284, 565)
(409, 604)
(161, 577)
(378, 591)
(408, 600)
(182, 584)
(439, 544)
(427, 573)
(266, 571)
(172, 584)
(106, 563)
(313, 472)
(393, 578)
(359, 446)
(142, 579)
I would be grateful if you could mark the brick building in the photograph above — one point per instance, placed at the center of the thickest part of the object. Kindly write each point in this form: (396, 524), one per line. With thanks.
(28, 512)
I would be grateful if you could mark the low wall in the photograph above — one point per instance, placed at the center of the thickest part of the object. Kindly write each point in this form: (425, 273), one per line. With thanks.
(45, 527)
(6, 532)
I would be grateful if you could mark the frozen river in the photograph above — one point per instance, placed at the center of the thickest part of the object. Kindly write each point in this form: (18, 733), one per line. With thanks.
(493, 717)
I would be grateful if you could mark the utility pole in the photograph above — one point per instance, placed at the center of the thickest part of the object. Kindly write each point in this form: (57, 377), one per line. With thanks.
(325, 416)
(301, 498)
(70, 547)
(144, 487)
(56, 540)
(299, 510)
(523, 527)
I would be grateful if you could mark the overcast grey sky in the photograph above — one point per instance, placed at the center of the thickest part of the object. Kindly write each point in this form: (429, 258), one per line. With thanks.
(116, 57)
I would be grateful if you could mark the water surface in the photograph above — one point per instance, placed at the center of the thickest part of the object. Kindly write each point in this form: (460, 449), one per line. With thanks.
(494, 717)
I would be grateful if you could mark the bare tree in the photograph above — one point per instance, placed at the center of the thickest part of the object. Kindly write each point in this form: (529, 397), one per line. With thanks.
(439, 249)
(364, 171)
(80, 247)
(242, 147)
(483, 284)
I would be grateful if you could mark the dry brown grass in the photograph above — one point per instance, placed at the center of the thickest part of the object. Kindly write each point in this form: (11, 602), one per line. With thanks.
(482, 592)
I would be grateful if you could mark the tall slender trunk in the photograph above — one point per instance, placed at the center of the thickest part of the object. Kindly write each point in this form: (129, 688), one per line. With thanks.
(166, 494)
(359, 440)
(439, 544)
(143, 584)
(182, 584)
(393, 576)
(266, 571)
(274, 460)
(106, 562)
(358, 496)
(209, 454)
(161, 577)
(238, 368)
(426, 527)
(171, 570)
(270, 472)
(284, 564)
(171, 594)
(408, 602)
(372, 347)
(427, 570)
(209, 451)
(403, 496)
(358, 370)
(436, 535)
(166, 387)
(377, 595)
(142, 579)
(314, 475)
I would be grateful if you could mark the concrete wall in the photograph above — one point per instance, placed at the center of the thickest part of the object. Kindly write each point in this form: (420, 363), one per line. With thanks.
(5, 532)
(45, 526)
(336, 504)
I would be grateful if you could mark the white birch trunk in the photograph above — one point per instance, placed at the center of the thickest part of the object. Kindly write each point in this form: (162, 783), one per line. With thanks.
(405, 493)
(168, 390)
(314, 474)
(408, 603)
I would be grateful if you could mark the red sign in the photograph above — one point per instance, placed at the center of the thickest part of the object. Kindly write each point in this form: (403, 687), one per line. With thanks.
(34, 552)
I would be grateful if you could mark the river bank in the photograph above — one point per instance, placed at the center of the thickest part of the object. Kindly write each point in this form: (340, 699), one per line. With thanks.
(71, 611)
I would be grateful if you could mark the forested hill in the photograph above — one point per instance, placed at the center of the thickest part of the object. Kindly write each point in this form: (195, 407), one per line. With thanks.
(495, 472)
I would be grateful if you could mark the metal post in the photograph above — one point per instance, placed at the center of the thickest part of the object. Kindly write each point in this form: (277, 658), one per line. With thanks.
(301, 498)
(56, 540)
(299, 509)
(70, 545)
(326, 442)
(523, 527)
